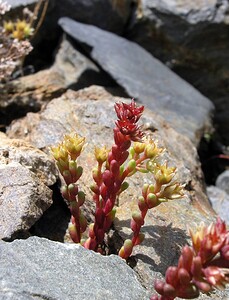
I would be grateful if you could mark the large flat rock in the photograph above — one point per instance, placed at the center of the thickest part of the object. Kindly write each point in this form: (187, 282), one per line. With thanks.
(41, 269)
(145, 78)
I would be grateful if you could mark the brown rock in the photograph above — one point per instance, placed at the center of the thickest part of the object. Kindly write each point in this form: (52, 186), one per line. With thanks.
(15, 150)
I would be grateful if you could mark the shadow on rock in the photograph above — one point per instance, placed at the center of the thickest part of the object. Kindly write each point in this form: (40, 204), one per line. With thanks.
(167, 242)
(54, 222)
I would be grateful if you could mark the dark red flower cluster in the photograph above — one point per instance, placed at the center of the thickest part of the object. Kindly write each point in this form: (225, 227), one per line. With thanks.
(108, 183)
(128, 115)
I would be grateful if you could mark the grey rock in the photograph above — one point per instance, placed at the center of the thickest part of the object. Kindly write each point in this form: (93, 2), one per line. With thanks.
(146, 79)
(41, 269)
(191, 37)
(23, 199)
(220, 202)
(77, 70)
(222, 181)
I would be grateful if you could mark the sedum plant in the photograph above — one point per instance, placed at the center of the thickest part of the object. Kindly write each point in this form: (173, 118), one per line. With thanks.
(201, 267)
(14, 44)
(16, 35)
(132, 152)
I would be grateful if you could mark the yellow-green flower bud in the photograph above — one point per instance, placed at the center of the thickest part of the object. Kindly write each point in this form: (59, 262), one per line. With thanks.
(145, 190)
(139, 147)
(27, 31)
(72, 166)
(124, 186)
(95, 174)
(81, 198)
(142, 170)
(150, 166)
(121, 169)
(73, 233)
(151, 150)
(141, 203)
(94, 188)
(132, 152)
(131, 165)
(8, 26)
(74, 145)
(163, 174)
(137, 217)
(151, 188)
(151, 200)
(20, 25)
(126, 249)
(101, 154)
(59, 152)
(79, 172)
(174, 191)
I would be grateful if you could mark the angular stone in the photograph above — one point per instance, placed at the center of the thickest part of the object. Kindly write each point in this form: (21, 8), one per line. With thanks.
(23, 199)
(25, 174)
(41, 269)
(15, 150)
(146, 79)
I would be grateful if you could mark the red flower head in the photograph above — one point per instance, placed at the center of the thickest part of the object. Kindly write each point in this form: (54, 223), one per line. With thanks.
(208, 241)
(128, 115)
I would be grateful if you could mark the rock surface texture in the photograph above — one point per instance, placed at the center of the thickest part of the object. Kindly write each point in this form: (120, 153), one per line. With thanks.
(146, 79)
(42, 269)
(220, 201)
(25, 174)
(191, 37)
(222, 181)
